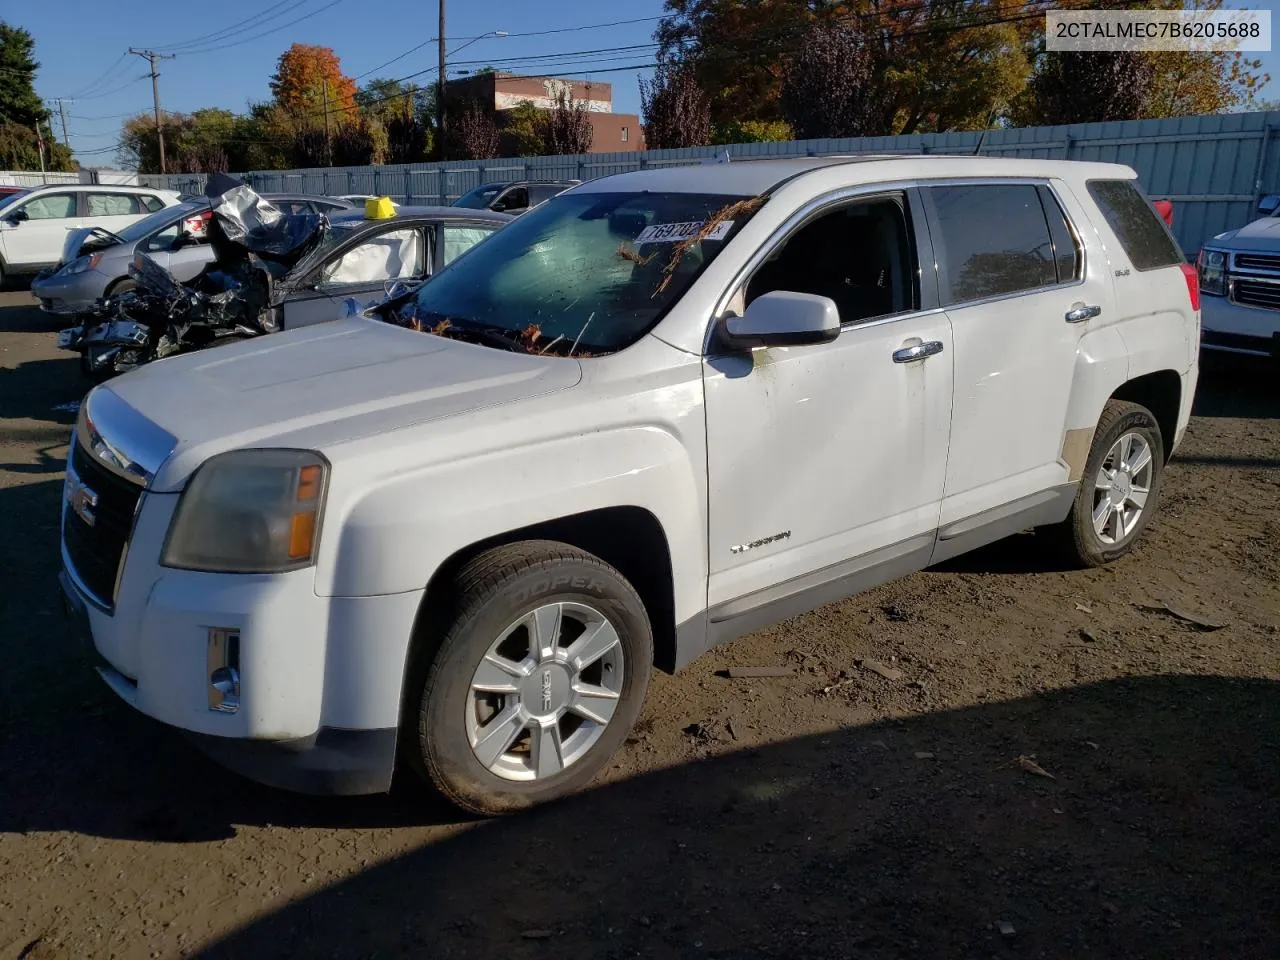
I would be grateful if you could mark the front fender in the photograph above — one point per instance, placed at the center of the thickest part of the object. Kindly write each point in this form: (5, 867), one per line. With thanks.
(397, 534)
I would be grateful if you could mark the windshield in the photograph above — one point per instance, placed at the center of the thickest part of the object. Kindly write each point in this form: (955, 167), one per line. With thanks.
(161, 218)
(8, 198)
(480, 197)
(586, 273)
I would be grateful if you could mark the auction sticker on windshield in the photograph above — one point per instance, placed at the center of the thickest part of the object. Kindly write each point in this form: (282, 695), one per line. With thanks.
(674, 232)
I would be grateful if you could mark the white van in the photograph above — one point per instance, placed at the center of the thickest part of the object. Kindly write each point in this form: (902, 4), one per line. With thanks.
(34, 224)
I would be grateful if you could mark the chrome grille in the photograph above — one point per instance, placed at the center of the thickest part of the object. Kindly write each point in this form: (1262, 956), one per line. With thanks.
(1256, 261)
(1255, 293)
(97, 520)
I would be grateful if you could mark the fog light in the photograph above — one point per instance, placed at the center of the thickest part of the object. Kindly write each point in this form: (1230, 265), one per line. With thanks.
(223, 661)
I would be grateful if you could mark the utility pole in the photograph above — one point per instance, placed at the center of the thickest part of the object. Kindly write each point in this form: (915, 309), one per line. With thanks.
(151, 56)
(62, 109)
(440, 112)
(328, 142)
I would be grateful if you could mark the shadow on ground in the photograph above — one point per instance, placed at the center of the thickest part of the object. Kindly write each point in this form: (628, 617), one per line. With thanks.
(1237, 386)
(39, 394)
(915, 838)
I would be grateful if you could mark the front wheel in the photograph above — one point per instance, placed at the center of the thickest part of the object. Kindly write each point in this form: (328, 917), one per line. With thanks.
(537, 682)
(1118, 490)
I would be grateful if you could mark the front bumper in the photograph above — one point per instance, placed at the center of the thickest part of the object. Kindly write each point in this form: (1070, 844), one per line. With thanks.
(1233, 328)
(63, 295)
(320, 677)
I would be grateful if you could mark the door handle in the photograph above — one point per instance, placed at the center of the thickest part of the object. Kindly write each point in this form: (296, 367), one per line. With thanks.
(917, 351)
(1082, 311)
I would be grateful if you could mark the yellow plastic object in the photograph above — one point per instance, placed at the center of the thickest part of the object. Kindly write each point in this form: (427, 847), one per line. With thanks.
(379, 208)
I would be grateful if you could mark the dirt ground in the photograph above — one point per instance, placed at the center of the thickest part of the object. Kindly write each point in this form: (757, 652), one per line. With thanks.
(839, 812)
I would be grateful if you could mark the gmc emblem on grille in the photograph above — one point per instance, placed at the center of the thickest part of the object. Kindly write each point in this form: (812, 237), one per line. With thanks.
(82, 499)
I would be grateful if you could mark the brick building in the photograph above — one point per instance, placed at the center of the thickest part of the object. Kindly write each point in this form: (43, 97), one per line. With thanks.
(610, 132)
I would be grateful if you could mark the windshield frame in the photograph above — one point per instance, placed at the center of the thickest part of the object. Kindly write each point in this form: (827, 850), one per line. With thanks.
(531, 231)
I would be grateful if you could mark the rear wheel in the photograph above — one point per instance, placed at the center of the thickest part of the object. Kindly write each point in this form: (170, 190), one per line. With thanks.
(1118, 490)
(537, 682)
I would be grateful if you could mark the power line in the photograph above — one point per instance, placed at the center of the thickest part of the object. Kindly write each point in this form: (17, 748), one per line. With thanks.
(225, 32)
(113, 90)
(284, 26)
(102, 78)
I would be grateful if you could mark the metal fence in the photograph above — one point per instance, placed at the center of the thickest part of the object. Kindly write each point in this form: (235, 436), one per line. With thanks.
(1213, 168)
(27, 178)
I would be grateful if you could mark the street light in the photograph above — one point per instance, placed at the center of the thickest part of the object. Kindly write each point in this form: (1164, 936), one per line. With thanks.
(440, 112)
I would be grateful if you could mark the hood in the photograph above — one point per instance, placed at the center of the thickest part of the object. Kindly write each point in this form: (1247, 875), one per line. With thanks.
(320, 386)
(85, 240)
(1260, 235)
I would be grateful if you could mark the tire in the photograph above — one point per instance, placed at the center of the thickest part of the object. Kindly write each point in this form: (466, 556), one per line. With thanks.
(498, 594)
(120, 286)
(1078, 537)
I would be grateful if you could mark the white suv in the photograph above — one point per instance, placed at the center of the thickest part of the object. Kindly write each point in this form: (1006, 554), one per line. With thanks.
(661, 410)
(34, 224)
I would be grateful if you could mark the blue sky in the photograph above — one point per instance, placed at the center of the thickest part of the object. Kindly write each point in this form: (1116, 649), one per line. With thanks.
(81, 45)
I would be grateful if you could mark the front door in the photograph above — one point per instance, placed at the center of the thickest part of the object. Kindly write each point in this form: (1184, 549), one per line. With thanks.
(358, 273)
(1011, 269)
(826, 462)
(37, 240)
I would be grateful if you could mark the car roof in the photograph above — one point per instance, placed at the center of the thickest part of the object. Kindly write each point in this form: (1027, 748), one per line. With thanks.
(103, 187)
(423, 213)
(755, 177)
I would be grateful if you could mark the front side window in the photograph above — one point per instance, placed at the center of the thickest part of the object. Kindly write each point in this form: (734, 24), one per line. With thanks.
(53, 206)
(991, 240)
(394, 255)
(458, 240)
(860, 256)
(517, 198)
(114, 205)
(1140, 230)
(593, 269)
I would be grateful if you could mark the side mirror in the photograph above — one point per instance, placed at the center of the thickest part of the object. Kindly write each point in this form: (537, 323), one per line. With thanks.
(1268, 205)
(783, 319)
(498, 206)
(17, 217)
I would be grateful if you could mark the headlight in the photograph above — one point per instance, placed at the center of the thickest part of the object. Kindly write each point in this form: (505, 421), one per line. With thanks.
(81, 264)
(250, 511)
(1212, 265)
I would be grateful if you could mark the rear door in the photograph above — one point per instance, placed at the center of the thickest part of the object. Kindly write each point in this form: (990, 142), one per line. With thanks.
(359, 272)
(1014, 282)
(113, 211)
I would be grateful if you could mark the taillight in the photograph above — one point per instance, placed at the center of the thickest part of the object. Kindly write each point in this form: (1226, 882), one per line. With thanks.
(1193, 284)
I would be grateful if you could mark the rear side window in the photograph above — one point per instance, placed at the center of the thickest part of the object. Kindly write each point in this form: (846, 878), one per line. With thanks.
(114, 205)
(1066, 246)
(992, 240)
(152, 203)
(1146, 240)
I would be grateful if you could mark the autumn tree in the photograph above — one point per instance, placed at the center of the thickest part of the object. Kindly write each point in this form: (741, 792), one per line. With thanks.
(944, 64)
(22, 112)
(830, 88)
(677, 113)
(566, 127)
(472, 132)
(520, 131)
(1089, 87)
(306, 78)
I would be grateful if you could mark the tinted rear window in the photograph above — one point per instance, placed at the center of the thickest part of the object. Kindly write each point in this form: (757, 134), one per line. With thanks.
(994, 241)
(1136, 224)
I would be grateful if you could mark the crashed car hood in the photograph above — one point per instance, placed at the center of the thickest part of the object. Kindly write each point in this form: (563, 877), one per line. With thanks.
(85, 240)
(317, 387)
(1262, 234)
